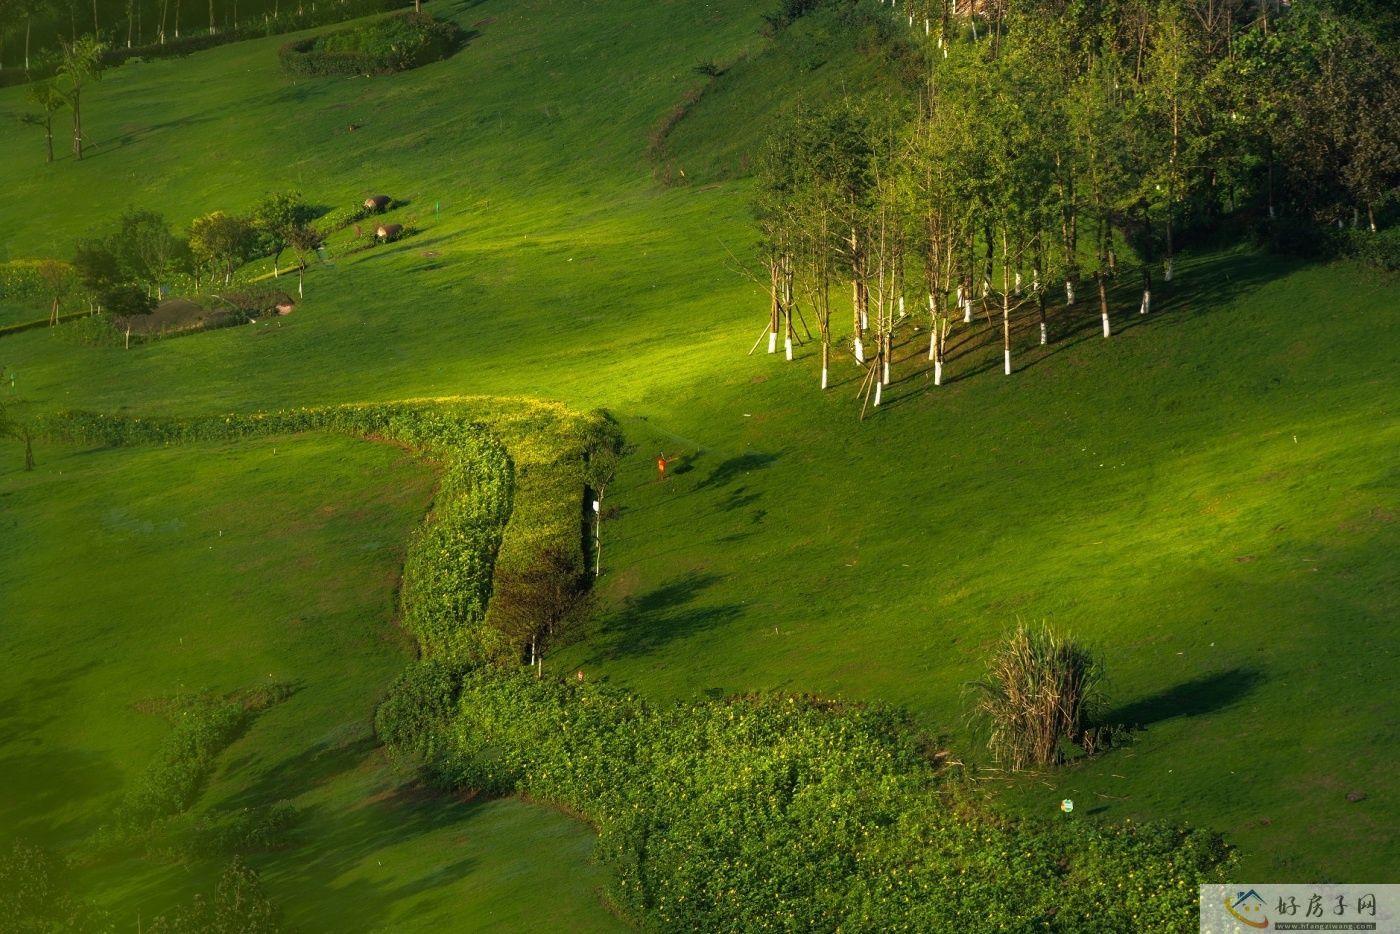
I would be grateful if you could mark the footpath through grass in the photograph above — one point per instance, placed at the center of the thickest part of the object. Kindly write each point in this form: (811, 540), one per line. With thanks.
(132, 575)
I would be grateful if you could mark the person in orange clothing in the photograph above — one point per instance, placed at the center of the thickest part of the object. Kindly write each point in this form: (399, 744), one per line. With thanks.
(661, 466)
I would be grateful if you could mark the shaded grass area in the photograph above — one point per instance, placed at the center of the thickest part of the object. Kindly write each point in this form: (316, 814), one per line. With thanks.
(136, 574)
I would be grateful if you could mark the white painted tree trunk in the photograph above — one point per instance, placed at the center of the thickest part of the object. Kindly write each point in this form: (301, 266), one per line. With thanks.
(1035, 280)
(1272, 215)
(886, 376)
(824, 377)
(860, 350)
(1106, 330)
(1018, 282)
(1008, 362)
(1167, 274)
(1044, 336)
(938, 373)
(877, 393)
(1069, 292)
(772, 341)
(901, 306)
(787, 347)
(1146, 302)
(932, 341)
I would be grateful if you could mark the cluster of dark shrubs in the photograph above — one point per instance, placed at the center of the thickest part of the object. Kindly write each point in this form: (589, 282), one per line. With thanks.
(382, 46)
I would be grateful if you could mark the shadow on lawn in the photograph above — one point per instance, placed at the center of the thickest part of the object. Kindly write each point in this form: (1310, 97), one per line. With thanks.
(728, 471)
(1202, 695)
(974, 350)
(645, 624)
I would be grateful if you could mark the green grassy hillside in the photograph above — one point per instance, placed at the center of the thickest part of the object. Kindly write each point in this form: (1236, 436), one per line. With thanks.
(1146, 492)
(135, 575)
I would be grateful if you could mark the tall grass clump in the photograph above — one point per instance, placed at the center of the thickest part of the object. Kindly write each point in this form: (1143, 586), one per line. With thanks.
(1041, 688)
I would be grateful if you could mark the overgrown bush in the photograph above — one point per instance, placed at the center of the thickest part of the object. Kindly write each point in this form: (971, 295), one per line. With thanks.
(89, 331)
(792, 813)
(1039, 692)
(382, 46)
(238, 906)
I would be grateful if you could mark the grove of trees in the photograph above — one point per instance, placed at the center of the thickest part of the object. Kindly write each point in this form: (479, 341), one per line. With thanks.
(1049, 137)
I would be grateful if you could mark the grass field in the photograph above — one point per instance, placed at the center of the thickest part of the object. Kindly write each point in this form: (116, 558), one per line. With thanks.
(139, 574)
(1208, 497)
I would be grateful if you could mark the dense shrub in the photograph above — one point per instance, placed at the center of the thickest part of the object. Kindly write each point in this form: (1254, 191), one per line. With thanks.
(790, 813)
(382, 46)
(1380, 249)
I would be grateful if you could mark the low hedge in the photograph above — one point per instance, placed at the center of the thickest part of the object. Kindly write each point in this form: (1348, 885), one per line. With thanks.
(379, 47)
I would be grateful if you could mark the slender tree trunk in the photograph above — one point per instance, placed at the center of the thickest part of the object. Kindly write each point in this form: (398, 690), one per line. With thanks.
(96, 27)
(774, 305)
(77, 125)
(48, 136)
(1146, 290)
(301, 277)
(1044, 328)
(1103, 303)
(211, 17)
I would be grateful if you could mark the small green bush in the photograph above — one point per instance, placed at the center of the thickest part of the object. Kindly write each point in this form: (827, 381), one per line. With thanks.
(89, 331)
(382, 46)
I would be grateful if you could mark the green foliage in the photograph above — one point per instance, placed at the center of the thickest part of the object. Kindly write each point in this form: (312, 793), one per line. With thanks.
(1040, 691)
(203, 728)
(221, 243)
(125, 301)
(792, 813)
(238, 906)
(1380, 249)
(377, 47)
(89, 331)
(34, 896)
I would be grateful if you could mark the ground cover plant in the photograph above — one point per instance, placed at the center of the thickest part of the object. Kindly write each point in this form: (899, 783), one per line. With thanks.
(392, 43)
(1146, 493)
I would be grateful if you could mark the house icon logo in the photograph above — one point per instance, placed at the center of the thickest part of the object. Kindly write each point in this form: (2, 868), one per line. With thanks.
(1247, 908)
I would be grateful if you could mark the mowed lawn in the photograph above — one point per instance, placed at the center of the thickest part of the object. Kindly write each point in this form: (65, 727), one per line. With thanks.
(140, 574)
(1146, 493)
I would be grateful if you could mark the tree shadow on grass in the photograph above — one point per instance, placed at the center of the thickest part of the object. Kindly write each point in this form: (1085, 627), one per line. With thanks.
(1201, 695)
(646, 623)
(728, 471)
